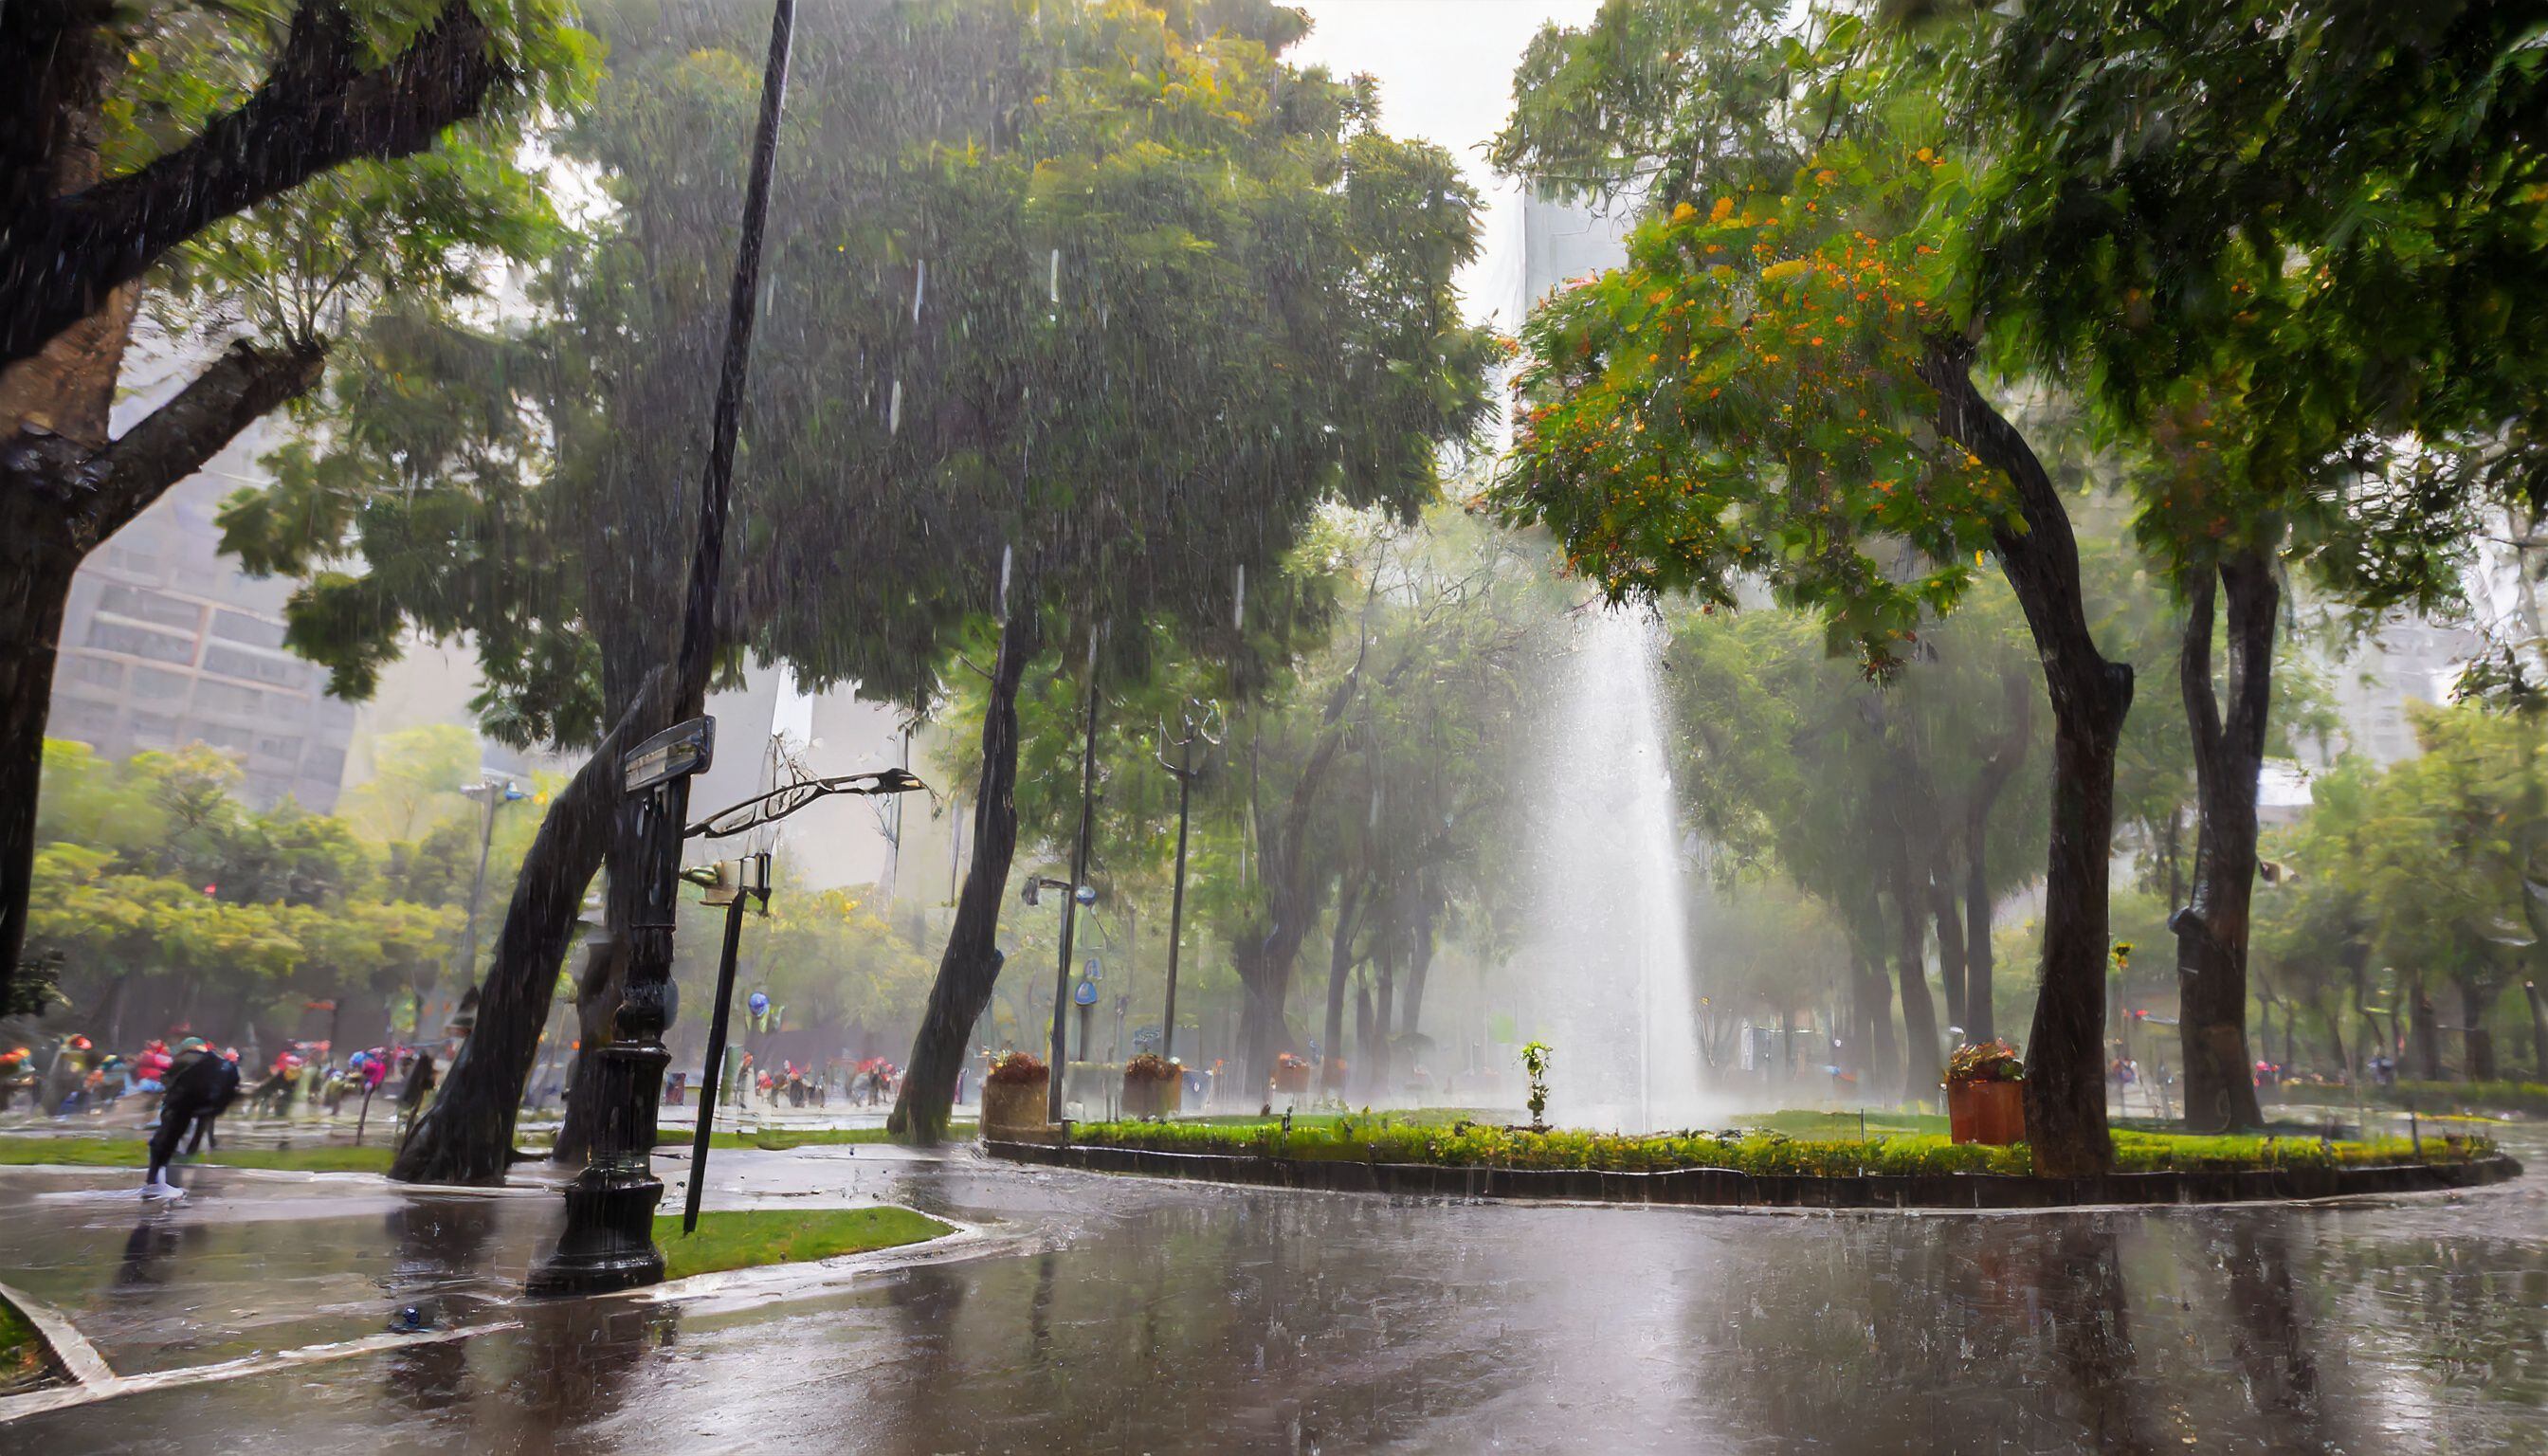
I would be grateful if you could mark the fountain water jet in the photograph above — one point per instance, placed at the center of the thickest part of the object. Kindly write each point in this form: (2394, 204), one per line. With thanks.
(1606, 969)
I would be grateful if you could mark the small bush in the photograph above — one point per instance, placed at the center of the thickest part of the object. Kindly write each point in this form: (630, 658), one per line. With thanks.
(1017, 1067)
(1149, 1066)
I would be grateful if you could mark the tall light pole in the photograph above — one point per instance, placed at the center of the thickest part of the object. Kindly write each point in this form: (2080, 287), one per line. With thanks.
(609, 1239)
(1080, 894)
(491, 793)
(1200, 723)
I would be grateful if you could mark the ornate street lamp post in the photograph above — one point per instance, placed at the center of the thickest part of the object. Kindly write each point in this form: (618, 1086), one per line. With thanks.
(1201, 722)
(609, 1244)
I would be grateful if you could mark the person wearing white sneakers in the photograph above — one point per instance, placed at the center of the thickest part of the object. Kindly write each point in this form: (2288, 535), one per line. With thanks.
(199, 1085)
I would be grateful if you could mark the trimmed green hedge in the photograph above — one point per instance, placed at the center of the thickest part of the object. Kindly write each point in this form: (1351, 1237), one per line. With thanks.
(1379, 1139)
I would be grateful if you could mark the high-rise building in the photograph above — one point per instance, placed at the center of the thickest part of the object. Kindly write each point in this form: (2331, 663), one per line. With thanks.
(165, 643)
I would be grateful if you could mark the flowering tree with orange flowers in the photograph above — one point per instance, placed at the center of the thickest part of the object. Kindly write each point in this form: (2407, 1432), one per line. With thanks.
(1777, 388)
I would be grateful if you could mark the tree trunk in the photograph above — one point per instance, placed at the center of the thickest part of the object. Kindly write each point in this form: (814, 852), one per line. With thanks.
(1362, 1023)
(1921, 1073)
(1981, 1020)
(2538, 1028)
(33, 592)
(970, 966)
(1383, 997)
(2474, 1003)
(1880, 1068)
(1331, 1047)
(2065, 1087)
(467, 1135)
(1420, 964)
(2229, 753)
(2426, 1034)
(1950, 922)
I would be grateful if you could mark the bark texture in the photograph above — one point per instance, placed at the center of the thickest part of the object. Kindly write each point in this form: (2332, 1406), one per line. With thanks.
(2229, 753)
(60, 497)
(467, 1135)
(970, 966)
(2065, 1097)
(64, 250)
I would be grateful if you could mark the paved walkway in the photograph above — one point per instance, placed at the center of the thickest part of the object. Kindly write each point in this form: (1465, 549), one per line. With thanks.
(1092, 1314)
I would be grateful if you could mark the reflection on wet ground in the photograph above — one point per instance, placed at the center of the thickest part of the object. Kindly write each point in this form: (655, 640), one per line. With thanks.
(1137, 1316)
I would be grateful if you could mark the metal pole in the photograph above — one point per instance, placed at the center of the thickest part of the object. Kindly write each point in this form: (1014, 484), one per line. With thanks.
(1177, 897)
(477, 891)
(1078, 877)
(609, 1243)
(722, 1008)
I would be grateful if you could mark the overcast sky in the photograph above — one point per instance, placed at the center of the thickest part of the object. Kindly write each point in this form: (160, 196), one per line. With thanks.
(1445, 71)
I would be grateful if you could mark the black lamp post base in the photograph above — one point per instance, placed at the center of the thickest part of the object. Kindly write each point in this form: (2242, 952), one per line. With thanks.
(610, 1240)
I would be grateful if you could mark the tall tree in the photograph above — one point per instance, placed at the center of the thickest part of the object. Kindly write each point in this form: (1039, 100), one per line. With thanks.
(267, 169)
(1779, 386)
(1064, 341)
(2225, 222)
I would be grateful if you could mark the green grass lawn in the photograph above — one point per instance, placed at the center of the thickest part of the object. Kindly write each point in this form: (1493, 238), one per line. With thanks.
(22, 1353)
(135, 1152)
(746, 1238)
(780, 1139)
(1822, 1144)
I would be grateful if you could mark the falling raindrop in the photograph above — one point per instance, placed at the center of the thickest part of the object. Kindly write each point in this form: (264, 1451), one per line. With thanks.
(1052, 283)
(1239, 601)
(893, 411)
(1006, 552)
(919, 290)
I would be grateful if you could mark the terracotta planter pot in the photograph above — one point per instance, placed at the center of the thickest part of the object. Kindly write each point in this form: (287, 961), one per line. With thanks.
(1013, 1107)
(1986, 1112)
(1292, 1079)
(1153, 1097)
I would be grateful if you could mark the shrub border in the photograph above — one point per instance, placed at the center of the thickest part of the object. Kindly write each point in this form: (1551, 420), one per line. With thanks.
(1731, 1188)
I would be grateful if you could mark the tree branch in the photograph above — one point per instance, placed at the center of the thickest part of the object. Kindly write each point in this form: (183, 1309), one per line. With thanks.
(242, 387)
(318, 109)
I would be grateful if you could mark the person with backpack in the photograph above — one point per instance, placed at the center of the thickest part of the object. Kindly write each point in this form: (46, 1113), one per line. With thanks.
(200, 1085)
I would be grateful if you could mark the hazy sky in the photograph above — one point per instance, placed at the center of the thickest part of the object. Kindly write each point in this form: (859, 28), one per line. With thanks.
(1445, 72)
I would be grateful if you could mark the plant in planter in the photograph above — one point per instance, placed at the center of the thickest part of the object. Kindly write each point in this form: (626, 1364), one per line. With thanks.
(1291, 1073)
(1154, 1087)
(1013, 1095)
(1986, 1094)
(1535, 1057)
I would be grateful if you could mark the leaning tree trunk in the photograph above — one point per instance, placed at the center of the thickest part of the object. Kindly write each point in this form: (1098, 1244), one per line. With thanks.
(467, 1135)
(970, 966)
(2228, 754)
(2065, 1087)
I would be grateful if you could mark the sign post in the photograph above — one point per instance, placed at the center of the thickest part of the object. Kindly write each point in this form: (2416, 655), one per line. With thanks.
(732, 883)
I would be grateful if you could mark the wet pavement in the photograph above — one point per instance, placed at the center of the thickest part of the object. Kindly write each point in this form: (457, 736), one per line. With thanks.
(1104, 1314)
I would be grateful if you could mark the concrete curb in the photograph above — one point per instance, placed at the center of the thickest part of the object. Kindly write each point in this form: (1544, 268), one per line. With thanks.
(1729, 1188)
(70, 1351)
